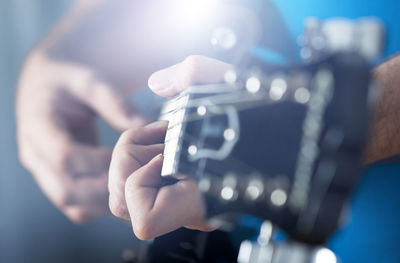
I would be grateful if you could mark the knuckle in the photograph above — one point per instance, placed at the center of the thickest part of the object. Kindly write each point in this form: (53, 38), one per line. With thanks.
(61, 161)
(129, 135)
(63, 199)
(143, 230)
(84, 82)
(118, 208)
(78, 217)
(121, 152)
(142, 226)
(130, 186)
(122, 155)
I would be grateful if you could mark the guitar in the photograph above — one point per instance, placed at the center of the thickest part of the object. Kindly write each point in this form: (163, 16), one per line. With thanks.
(282, 144)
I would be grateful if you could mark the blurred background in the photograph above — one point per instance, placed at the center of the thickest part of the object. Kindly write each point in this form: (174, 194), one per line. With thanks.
(33, 230)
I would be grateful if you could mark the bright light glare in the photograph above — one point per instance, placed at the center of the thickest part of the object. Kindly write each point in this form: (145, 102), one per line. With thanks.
(192, 149)
(224, 38)
(229, 134)
(278, 197)
(278, 89)
(253, 84)
(227, 193)
(230, 76)
(189, 12)
(324, 255)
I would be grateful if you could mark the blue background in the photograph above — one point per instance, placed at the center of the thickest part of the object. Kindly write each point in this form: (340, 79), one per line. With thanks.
(33, 230)
(373, 232)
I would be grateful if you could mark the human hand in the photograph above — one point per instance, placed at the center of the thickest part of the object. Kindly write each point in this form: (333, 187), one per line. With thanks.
(137, 190)
(193, 70)
(139, 193)
(57, 107)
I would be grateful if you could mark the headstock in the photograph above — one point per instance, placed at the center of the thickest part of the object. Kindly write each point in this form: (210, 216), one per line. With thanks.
(283, 144)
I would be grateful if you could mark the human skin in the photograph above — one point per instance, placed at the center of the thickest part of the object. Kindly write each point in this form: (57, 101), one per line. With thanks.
(136, 189)
(85, 69)
(60, 96)
(384, 139)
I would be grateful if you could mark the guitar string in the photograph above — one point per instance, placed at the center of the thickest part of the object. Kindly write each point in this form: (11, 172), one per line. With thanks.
(244, 102)
(195, 117)
(217, 98)
(224, 98)
(232, 160)
(244, 106)
(240, 106)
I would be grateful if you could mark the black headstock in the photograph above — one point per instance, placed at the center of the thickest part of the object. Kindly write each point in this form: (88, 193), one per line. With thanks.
(284, 144)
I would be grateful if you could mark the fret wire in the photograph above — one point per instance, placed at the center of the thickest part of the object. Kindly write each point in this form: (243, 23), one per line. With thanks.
(225, 97)
(246, 98)
(203, 89)
(170, 104)
(195, 116)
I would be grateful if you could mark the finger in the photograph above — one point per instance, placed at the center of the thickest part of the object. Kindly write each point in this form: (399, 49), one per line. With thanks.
(151, 134)
(86, 161)
(54, 185)
(115, 108)
(81, 200)
(130, 153)
(90, 191)
(81, 197)
(178, 205)
(90, 199)
(126, 159)
(110, 103)
(193, 70)
(88, 171)
(79, 214)
(43, 140)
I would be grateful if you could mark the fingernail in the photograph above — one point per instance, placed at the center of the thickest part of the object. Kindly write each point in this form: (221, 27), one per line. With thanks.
(159, 81)
(157, 124)
(158, 157)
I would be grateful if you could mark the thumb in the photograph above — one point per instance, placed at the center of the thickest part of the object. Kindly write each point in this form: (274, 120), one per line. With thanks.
(112, 105)
(107, 101)
(193, 70)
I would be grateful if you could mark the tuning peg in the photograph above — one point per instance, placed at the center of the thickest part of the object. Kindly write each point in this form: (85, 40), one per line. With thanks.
(254, 189)
(278, 197)
(278, 88)
(253, 84)
(228, 190)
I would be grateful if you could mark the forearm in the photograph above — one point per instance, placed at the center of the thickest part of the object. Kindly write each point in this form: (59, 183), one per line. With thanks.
(384, 139)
